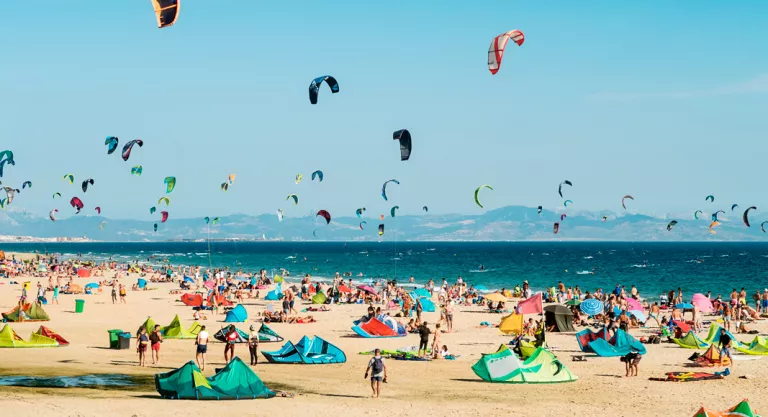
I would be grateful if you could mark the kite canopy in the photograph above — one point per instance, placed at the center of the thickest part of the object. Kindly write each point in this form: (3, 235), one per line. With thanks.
(324, 214)
(317, 174)
(556, 227)
(314, 87)
(294, 197)
(129, 147)
(308, 351)
(236, 381)
(710, 198)
(624, 198)
(111, 143)
(384, 188)
(170, 184)
(404, 136)
(381, 229)
(496, 50)
(137, 170)
(379, 327)
(164, 216)
(86, 183)
(166, 11)
(477, 192)
(560, 187)
(359, 212)
(671, 225)
(745, 217)
(503, 366)
(393, 210)
(742, 409)
(76, 203)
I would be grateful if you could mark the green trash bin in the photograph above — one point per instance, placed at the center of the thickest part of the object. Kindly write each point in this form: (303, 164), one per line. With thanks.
(79, 304)
(114, 338)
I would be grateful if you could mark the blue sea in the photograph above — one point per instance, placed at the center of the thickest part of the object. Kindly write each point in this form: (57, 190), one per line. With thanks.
(652, 267)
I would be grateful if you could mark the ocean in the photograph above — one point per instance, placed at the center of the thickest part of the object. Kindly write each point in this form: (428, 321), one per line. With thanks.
(652, 267)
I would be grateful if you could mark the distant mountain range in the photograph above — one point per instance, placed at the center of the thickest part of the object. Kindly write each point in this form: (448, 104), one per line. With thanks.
(511, 223)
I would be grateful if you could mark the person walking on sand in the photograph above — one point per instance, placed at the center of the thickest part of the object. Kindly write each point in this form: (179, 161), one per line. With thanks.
(253, 345)
(156, 338)
(55, 299)
(725, 345)
(202, 347)
(141, 347)
(114, 292)
(378, 371)
(231, 339)
(122, 294)
(449, 316)
(424, 339)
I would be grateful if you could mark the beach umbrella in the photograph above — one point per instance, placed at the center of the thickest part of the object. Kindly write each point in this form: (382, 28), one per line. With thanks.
(495, 297)
(592, 307)
(634, 304)
(638, 315)
(684, 306)
(573, 302)
(367, 289)
(344, 289)
(703, 303)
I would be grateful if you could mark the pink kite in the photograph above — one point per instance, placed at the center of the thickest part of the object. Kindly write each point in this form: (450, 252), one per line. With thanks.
(531, 305)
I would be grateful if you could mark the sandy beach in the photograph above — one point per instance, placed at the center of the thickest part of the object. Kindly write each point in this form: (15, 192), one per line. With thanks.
(436, 388)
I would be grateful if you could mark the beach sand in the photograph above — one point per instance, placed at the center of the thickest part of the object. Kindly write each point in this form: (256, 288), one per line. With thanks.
(437, 388)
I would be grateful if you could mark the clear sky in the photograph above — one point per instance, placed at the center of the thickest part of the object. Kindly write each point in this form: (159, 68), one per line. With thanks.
(663, 100)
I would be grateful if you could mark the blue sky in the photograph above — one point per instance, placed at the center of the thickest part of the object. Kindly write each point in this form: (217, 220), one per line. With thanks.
(662, 100)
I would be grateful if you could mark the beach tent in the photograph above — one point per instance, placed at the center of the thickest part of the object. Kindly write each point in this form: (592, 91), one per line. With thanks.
(220, 300)
(620, 345)
(30, 311)
(176, 331)
(236, 381)
(9, 339)
(192, 300)
(511, 324)
(308, 352)
(560, 317)
(712, 357)
(275, 294)
(319, 298)
(83, 272)
(141, 283)
(504, 366)
(532, 305)
(221, 335)
(236, 315)
(587, 336)
(92, 285)
(267, 335)
(691, 341)
(759, 346)
(381, 326)
(44, 331)
(742, 409)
